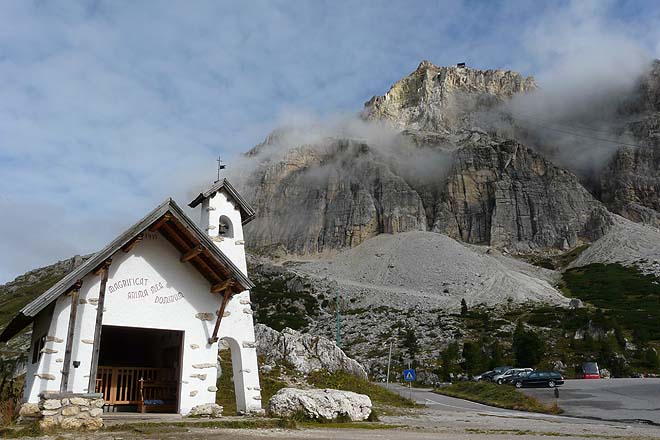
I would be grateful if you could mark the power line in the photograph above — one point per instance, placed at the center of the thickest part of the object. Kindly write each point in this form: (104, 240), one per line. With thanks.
(575, 125)
(581, 135)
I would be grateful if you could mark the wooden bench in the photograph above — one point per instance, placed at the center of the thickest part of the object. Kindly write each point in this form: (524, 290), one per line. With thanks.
(157, 396)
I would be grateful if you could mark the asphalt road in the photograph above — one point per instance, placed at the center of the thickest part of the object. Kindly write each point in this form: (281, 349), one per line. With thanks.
(607, 399)
(620, 400)
(426, 397)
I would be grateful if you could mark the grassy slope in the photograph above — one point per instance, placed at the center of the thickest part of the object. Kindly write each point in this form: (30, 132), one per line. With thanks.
(11, 303)
(497, 395)
(627, 295)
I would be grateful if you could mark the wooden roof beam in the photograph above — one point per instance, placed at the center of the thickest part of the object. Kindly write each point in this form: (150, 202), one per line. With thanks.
(222, 287)
(160, 222)
(128, 246)
(102, 267)
(192, 253)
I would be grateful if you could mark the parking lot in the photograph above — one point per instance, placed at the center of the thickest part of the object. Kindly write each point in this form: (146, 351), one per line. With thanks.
(607, 399)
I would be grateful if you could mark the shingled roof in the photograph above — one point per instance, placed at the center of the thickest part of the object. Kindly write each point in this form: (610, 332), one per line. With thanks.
(177, 228)
(247, 213)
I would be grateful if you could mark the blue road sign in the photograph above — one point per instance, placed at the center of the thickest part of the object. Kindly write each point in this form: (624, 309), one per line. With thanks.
(409, 375)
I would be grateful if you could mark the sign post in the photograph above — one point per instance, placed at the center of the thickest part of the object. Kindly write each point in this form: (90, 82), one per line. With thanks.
(409, 376)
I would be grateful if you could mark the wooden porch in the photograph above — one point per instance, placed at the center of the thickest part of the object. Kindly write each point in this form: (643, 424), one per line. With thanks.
(147, 389)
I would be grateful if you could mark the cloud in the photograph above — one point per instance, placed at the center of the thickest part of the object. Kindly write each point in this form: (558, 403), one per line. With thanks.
(108, 107)
(588, 64)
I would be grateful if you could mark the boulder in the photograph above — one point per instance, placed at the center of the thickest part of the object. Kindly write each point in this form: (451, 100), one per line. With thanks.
(575, 303)
(211, 410)
(327, 404)
(306, 353)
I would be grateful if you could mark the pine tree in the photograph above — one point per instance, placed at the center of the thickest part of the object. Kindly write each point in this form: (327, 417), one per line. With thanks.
(464, 307)
(528, 348)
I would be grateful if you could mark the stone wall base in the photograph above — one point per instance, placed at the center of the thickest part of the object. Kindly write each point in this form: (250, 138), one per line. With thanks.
(70, 410)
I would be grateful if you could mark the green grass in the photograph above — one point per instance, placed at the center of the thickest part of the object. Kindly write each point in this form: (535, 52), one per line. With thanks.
(11, 303)
(557, 262)
(627, 295)
(500, 396)
(21, 431)
(246, 423)
(382, 398)
(226, 395)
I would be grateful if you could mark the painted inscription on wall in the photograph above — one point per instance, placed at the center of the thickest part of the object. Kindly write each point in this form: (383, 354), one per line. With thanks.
(141, 287)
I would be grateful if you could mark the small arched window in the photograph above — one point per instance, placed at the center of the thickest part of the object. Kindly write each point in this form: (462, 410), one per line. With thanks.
(225, 228)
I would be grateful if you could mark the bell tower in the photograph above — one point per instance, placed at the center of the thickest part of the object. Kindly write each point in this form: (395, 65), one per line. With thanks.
(223, 214)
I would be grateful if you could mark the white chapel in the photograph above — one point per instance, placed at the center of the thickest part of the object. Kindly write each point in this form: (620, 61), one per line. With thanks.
(141, 320)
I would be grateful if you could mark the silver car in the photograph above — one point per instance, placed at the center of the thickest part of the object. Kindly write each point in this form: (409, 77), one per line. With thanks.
(501, 378)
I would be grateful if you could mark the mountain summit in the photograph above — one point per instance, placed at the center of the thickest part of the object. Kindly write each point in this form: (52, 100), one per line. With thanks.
(443, 99)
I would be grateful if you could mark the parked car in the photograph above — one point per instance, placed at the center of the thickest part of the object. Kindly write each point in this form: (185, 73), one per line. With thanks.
(548, 379)
(499, 379)
(588, 370)
(485, 377)
(508, 379)
(500, 370)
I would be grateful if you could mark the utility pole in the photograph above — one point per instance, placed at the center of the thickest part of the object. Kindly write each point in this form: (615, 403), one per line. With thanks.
(338, 314)
(389, 361)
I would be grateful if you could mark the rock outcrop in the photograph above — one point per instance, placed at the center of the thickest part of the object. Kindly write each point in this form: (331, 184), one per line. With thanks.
(304, 352)
(324, 404)
(324, 197)
(503, 194)
(630, 184)
(444, 99)
(485, 190)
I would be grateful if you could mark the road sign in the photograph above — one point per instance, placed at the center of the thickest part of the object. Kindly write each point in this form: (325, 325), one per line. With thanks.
(409, 375)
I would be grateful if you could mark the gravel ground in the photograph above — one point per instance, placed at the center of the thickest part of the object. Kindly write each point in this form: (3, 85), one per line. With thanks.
(627, 243)
(433, 270)
(424, 424)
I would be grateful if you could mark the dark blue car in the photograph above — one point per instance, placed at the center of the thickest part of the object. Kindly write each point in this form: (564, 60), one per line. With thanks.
(548, 379)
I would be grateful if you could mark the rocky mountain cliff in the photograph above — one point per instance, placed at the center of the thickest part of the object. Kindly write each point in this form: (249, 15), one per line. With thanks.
(630, 184)
(444, 99)
(435, 173)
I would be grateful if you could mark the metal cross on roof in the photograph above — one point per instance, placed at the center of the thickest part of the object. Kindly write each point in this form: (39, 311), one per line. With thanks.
(221, 166)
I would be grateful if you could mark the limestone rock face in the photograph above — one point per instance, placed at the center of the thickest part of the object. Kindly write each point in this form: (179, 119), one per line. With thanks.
(491, 191)
(324, 404)
(505, 195)
(443, 99)
(306, 353)
(330, 196)
(630, 184)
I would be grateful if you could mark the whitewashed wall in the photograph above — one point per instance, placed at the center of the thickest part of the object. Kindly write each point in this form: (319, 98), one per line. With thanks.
(169, 295)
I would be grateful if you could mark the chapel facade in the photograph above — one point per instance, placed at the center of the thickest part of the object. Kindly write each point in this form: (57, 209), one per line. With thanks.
(141, 320)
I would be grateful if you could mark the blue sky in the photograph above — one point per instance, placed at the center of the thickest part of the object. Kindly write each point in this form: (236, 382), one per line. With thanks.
(108, 107)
